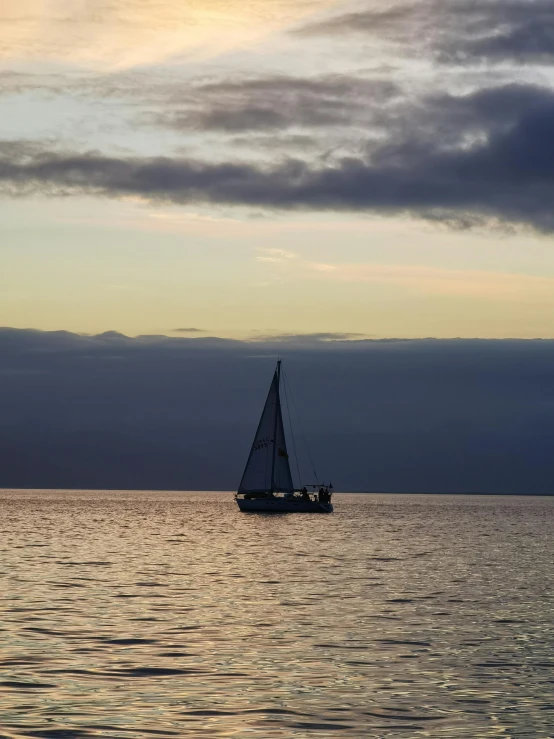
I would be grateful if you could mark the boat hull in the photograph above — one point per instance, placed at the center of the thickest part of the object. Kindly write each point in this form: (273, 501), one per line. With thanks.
(282, 505)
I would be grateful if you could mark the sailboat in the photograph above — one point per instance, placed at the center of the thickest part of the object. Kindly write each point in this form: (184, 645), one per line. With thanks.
(266, 485)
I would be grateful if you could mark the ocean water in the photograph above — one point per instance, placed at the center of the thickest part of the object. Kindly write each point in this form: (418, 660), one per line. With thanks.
(143, 614)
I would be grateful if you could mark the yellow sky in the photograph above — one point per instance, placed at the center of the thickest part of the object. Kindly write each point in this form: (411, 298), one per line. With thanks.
(140, 269)
(124, 33)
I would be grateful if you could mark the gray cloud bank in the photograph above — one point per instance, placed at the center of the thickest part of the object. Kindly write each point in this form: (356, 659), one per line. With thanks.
(486, 155)
(455, 31)
(110, 411)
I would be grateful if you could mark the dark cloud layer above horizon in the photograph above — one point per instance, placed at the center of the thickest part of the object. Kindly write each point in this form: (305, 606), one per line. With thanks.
(111, 411)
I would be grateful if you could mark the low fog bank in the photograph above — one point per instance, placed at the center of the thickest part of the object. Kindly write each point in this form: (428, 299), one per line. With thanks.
(429, 415)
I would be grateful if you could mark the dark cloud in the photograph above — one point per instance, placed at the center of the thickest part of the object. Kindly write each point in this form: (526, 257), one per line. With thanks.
(277, 103)
(179, 413)
(520, 31)
(392, 22)
(252, 118)
(268, 142)
(454, 31)
(189, 330)
(309, 338)
(498, 106)
(488, 155)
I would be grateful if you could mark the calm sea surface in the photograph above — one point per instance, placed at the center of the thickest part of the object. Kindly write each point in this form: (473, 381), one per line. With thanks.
(173, 614)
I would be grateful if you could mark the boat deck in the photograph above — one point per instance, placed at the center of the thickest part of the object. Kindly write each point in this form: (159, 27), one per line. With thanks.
(278, 504)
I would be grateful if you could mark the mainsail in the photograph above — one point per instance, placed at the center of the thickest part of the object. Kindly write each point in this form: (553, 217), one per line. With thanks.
(268, 468)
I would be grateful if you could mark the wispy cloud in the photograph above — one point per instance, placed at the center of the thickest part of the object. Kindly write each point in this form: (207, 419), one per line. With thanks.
(439, 280)
(392, 21)
(308, 338)
(416, 278)
(123, 33)
(275, 256)
(453, 31)
(277, 103)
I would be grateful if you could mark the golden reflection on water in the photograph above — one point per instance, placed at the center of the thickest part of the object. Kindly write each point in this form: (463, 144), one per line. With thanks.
(172, 614)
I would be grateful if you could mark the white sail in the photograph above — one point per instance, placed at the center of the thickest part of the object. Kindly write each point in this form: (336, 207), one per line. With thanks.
(282, 478)
(268, 468)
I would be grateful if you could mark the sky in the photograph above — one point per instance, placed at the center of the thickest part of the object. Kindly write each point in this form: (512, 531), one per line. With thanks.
(253, 169)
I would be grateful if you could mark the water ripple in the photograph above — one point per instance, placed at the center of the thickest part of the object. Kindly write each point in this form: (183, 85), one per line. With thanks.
(129, 615)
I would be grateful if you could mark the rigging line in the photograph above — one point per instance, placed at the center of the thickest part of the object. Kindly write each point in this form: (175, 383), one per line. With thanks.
(316, 478)
(285, 383)
(267, 476)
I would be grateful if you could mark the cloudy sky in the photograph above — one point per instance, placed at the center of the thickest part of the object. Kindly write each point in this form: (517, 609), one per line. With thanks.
(277, 166)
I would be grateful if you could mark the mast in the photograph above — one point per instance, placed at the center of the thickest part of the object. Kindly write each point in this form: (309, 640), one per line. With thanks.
(277, 409)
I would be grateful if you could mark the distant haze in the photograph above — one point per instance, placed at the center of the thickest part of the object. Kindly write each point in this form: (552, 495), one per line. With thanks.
(109, 411)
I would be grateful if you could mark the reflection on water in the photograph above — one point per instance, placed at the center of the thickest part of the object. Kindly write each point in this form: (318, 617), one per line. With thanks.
(173, 614)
